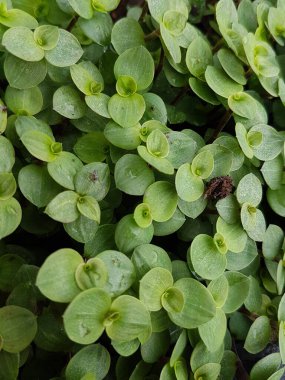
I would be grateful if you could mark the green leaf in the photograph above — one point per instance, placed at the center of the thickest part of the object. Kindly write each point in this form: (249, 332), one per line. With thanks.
(258, 335)
(9, 365)
(83, 9)
(160, 164)
(132, 32)
(18, 327)
(253, 222)
(209, 371)
(220, 82)
(93, 179)
(261, 56)
(87, 78)
(8, 186)
(98, 103)
(36, 185)
(199, 57)
(159, 7)
(93, 359)
(46, 36)
(171, 225)
(155, 347)
(126, 348)
(272, 172)
(10, 216)
(84, 317)
(245, 105)
(182, 148)
(272, 242)
(68, 103)
(92, 147)
(162, 200)
(232, 65)
(175, 22)
(148, 256)
(17, 17)
(271, 145)
(152, 287)
(56, 277)
(10, 264)
(124, 138)
(189, 187)
(231, 143)
(213, 332)
(67, 51)
(223, 160)
(3, 116)
(7, 151)
(241, 134)
(157, 144)
(127, 319)
(64, 168)
(25, 124)
(203, 164)
(155, 108)
(199, 306)
(89, 207)
(132, 175)
(142, 215)
(23, 74)
(143, 73)
(249, 190)
(121, 272)
(233, 234)
(24, 102)
(20, 42)
(98, 28)
(208, 262)
(253, 302)
(265, 367)
(127, 112)
(229, 209)
(63, 208)
(41, 145)
(275, 199)
(238, 291)
(92, 274)
(201, 355)
(202, 90)
(179, 348)
(129, 235)
(219, 289)
(82, 229)
(171, 44)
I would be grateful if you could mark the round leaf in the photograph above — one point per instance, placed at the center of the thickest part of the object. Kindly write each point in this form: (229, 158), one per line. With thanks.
(189, 187)
(63, 208)
(68, 103)
(206, 259)
(18, 327)
(162, 200)
(10, 216)
(221, 83)
(152, 286)
(56, 277)
(83, 318)
(127, 112)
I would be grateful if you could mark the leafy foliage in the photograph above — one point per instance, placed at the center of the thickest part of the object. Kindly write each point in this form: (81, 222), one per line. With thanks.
(142, 189)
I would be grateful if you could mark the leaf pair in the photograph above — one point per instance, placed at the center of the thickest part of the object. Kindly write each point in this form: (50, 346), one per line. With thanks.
(182, 299)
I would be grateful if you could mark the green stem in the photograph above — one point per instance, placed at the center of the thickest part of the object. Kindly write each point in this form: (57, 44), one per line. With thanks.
(152, 36)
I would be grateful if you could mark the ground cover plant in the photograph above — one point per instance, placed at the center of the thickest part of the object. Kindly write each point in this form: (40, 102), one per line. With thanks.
(142, 190)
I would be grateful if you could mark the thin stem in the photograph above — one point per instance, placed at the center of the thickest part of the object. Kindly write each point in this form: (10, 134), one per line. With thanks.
(152, 36)
(160, 65)
(180, 95)
(224, 121)
(121, 11)
(72, 23)
(144, 11)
